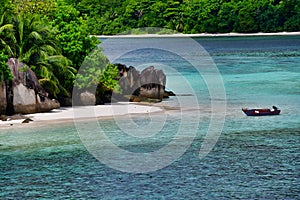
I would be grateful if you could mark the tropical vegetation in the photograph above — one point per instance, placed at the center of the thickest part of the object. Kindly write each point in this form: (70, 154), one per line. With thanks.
(52, 40)
(191, 16)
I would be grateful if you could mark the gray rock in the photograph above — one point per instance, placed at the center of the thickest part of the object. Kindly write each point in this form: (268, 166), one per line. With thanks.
(24, 94)
(87, 98)
(130, 80)
(27, 120)
(45, 104)
(150, 83)
(24, 99)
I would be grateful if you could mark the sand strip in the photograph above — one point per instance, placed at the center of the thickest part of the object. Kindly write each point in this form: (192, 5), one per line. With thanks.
(199, 35)
(86, 112)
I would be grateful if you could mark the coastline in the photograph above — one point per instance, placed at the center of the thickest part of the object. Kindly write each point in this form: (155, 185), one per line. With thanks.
(66, 114)
(201, 35)
(75, 114)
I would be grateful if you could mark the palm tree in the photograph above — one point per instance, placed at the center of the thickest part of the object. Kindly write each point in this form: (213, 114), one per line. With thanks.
(34, 44)
(56, 74)
(6, 30)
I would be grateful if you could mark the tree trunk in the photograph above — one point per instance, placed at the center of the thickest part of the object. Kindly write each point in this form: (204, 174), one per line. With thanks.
(9, 98)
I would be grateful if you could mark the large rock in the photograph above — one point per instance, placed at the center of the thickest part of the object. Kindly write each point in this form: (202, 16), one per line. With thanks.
(45, 104)
(22, 74)
(87, 98)
(150, 83)
(130, 80)
(24, 94)
(24, 99)
(153, 83)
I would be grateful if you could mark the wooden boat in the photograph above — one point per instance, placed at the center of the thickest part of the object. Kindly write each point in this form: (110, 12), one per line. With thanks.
(261, 112)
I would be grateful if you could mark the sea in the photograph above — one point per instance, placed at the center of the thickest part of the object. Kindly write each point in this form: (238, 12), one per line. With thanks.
(200, 146)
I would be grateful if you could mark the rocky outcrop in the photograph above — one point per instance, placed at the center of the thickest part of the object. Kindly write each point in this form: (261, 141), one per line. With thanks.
(146, 86)
(24, 94)
(149, 84)
(130, 80)
(153, 83)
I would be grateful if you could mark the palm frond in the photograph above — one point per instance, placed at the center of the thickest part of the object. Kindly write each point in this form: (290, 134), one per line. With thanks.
(50, 49)
(35, 36)
(6, 47)
(44, 72)
(34, 43)
(6, 27)
(2, 19)
(50, 86)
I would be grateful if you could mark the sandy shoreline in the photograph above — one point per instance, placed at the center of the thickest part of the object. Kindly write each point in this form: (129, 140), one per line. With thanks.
(69, 114)
(200, 35)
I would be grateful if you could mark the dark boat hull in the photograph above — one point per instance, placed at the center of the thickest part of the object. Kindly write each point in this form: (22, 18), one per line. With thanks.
(260, 112)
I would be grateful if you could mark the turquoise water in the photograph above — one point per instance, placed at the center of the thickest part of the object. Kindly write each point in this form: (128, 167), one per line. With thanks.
(254, 157)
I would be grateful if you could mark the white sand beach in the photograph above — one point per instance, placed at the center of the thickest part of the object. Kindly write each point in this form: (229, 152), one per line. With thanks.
(198, 35)
(65, 114)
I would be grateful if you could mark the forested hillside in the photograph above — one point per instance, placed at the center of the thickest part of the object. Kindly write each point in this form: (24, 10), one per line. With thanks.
(191, 16)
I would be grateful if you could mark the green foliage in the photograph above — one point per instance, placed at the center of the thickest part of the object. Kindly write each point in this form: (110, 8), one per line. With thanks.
(247, 17)
(29, 7)
(109, 79)
(190, 16)
(97, 72)
(53, 38)
(36, 45)
(33, 39)
(56, 74)
(6, 35)
(6, 6)
(4, 69)
(72, 34)
(92, 68)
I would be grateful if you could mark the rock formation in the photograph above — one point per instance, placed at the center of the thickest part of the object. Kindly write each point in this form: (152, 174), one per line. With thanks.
(130, 80)
(87, 98)
(23, 94)
(153, 83)
(149, 84)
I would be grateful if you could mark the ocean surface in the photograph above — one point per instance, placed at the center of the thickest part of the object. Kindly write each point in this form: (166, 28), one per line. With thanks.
(202, 146)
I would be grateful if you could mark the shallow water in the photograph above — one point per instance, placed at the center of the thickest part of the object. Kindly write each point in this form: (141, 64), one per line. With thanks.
(254, 157)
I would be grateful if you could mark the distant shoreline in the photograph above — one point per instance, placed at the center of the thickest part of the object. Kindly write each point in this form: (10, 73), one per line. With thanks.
(201, 35)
